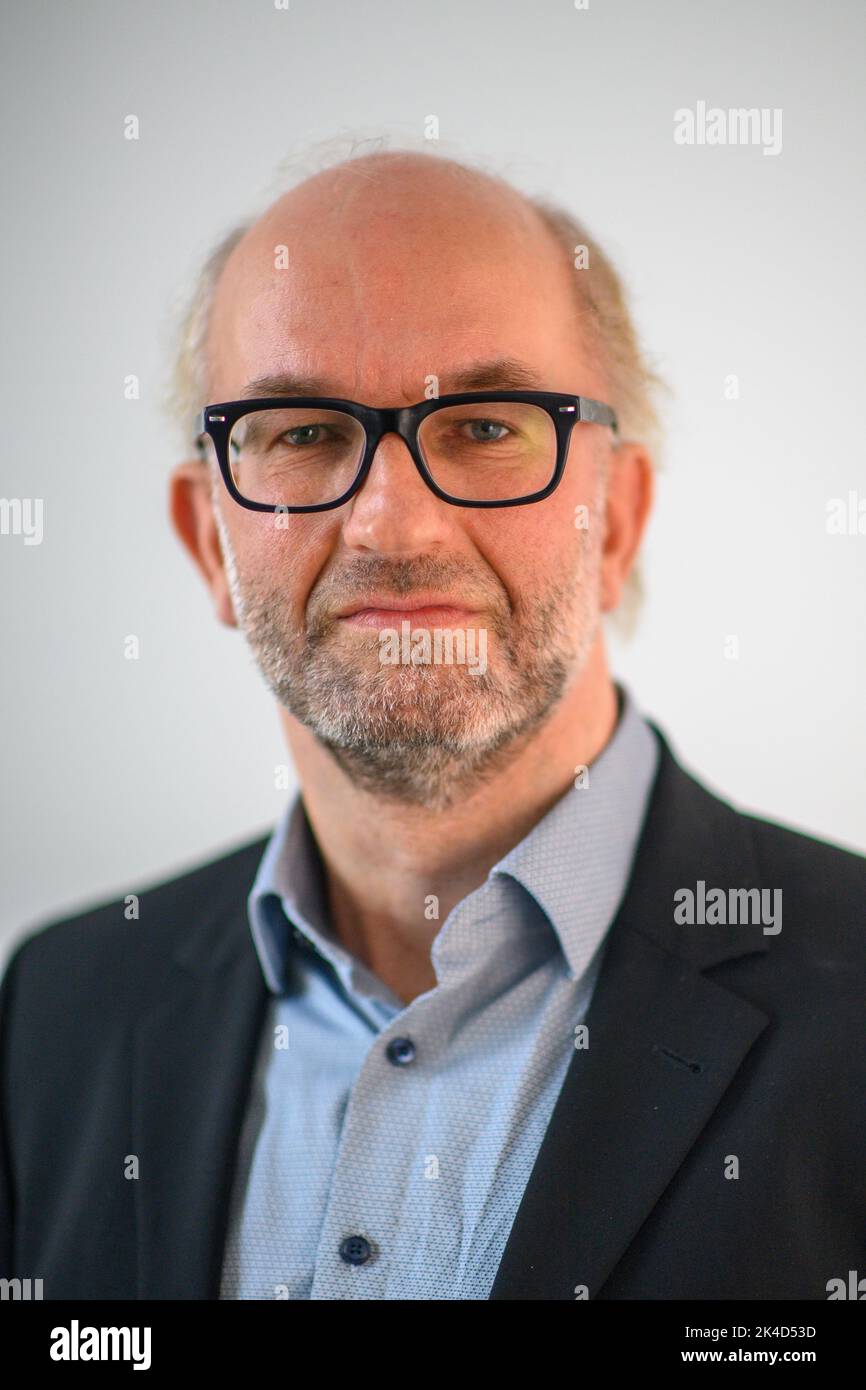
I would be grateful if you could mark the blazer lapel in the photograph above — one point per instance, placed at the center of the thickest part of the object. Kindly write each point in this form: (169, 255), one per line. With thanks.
(664, 1044)
(193, 1063)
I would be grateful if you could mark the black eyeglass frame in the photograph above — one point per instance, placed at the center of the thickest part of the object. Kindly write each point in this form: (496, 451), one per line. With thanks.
(218, 420)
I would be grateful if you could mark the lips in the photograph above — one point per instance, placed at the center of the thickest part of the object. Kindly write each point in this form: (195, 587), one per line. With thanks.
(422, 604)
(397, 603)
(426, 615)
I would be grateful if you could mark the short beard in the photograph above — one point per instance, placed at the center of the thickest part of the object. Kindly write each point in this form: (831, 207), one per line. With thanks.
(425, 735)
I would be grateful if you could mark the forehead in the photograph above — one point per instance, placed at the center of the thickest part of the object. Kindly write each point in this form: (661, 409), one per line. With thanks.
(379, 287)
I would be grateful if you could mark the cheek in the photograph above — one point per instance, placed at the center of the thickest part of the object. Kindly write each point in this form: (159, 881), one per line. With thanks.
(527, 548)
(284, 554)
(537, 548)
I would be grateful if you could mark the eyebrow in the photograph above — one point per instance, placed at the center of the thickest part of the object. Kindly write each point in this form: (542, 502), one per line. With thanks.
(497, 374)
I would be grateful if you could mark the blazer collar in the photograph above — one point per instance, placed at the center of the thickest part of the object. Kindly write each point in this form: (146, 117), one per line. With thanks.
(690, 836)
(193, 1059)
(664, 1042)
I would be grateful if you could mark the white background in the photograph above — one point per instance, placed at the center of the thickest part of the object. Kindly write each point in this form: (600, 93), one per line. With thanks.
(116, 773)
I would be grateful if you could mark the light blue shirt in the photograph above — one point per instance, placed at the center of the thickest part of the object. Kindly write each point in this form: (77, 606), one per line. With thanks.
(387, 1146)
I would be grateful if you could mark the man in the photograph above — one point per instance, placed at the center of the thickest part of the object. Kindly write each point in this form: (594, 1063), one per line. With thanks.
(509, 1006)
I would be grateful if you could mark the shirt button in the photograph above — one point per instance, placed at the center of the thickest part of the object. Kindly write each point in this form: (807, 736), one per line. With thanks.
(400, 1051)
(355, 1250)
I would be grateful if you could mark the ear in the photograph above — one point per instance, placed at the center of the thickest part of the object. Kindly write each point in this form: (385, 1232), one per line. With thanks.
(629, 501)
(192, 512)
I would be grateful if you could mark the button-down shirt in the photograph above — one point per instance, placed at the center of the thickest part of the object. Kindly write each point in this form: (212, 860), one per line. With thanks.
(386, 1146)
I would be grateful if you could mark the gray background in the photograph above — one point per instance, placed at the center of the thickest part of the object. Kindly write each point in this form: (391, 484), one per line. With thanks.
(117, 772)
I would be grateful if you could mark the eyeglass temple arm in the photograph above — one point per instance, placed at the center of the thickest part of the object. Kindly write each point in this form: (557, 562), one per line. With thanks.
(199, 432)
(596, 413)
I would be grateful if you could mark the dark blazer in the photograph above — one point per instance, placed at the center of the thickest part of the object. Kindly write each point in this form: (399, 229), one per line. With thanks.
(706, 1044)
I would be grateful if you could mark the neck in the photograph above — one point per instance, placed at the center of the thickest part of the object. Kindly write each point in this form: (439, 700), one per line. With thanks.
(394, 871)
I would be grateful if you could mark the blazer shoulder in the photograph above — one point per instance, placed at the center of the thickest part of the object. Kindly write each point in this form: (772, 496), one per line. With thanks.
(695, 833)
(820, 874)
(102, 936)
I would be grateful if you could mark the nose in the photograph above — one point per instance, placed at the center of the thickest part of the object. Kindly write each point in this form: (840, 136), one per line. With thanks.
(395, 511)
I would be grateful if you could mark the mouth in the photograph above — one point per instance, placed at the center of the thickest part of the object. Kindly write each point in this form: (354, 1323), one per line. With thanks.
(431, 611)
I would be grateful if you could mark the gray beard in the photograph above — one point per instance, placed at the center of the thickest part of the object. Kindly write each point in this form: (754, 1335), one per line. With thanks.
(421, 734)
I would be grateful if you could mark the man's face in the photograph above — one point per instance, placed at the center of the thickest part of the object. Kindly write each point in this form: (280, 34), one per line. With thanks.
(390, 283)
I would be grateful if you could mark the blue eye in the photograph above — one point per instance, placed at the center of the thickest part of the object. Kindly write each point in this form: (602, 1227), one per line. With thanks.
(303, 430)
(487, 424)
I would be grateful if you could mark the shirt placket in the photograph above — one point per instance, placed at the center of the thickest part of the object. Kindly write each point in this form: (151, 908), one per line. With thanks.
(375, 1158)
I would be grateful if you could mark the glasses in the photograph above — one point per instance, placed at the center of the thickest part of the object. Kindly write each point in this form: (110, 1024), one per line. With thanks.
(475, 449)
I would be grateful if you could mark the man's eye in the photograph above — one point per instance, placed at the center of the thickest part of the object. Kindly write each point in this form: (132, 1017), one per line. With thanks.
(304, 434)
(483, 430)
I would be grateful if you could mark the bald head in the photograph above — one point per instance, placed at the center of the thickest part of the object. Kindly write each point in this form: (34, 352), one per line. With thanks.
(382, 272)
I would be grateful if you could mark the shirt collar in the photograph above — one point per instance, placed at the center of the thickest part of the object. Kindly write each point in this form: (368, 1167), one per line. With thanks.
(575, 864)
(287, 899)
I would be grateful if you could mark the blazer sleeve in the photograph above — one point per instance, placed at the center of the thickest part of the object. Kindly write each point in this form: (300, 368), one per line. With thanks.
(8, 986)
